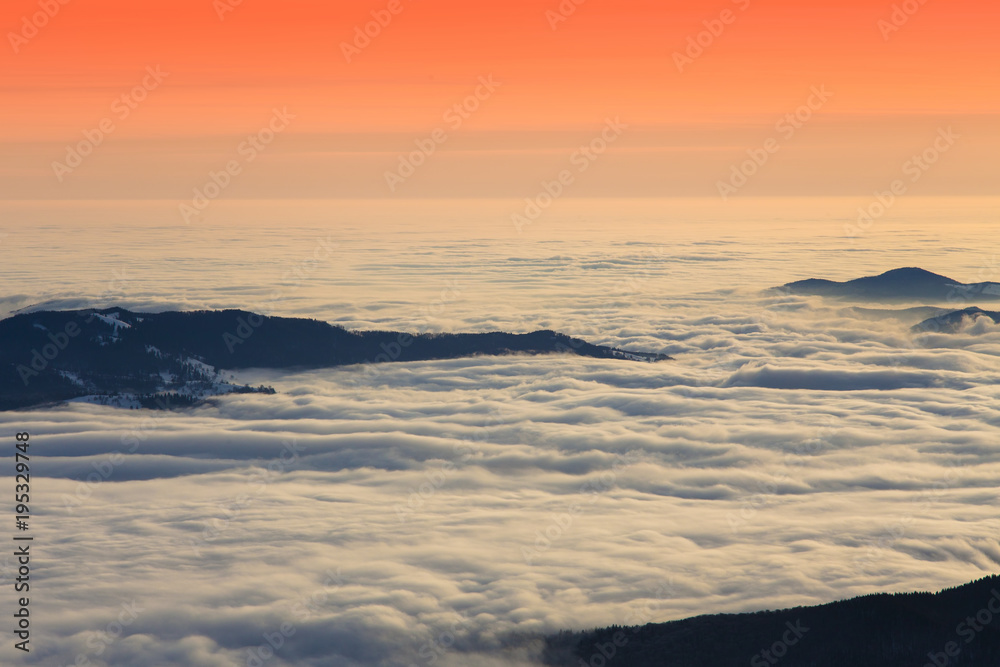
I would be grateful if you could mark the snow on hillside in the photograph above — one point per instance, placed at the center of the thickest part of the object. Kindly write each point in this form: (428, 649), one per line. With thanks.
(73, 377)
(113, 321)
(128, 401)
(200, 366)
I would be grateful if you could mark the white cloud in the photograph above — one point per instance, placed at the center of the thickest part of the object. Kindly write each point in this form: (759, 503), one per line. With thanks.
(795, 453)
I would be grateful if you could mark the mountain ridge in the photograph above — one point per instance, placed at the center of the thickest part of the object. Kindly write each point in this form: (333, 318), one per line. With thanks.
(955, 627)
(53, 356)
(902, 284)
(953, 321)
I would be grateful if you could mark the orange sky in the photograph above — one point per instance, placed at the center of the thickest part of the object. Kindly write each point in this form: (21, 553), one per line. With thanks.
(607, 59)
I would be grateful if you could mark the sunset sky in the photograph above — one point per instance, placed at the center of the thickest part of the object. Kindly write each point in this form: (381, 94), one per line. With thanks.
(228, 65)
(657, 178)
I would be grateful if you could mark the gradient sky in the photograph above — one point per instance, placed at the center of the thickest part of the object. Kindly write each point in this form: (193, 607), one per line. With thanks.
(229, 69)
(683, 275)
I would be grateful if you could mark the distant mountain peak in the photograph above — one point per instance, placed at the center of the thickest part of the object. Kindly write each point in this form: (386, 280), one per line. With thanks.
(912, 273)
(906, 284)
(954, 321)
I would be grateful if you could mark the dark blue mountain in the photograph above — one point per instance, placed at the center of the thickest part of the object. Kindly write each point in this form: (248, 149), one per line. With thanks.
(958, 627)
(52, 356)
(907, 284)
(955, 320)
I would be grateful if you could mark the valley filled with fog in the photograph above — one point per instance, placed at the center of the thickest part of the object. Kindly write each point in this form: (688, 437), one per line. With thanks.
(796, 451)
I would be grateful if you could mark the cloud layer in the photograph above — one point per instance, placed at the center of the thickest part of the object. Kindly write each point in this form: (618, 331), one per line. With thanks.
(449, 512)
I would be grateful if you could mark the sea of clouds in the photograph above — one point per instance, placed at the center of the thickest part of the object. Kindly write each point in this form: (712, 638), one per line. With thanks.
(449, 513)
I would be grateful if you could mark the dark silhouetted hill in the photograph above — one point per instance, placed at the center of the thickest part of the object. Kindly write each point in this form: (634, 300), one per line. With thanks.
(56, 356)
(958, 627)
(907, 284)
(955, 320)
